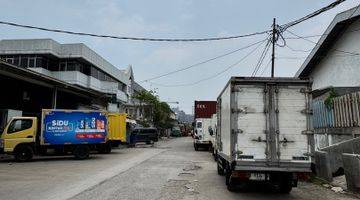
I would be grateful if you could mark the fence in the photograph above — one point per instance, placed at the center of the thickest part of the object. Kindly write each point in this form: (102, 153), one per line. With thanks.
(343, 111)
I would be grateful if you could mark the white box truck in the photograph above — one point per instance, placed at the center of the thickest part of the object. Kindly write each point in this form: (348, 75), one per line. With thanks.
(202, 124)
(213, 130)
(203, 133)
(263, 131)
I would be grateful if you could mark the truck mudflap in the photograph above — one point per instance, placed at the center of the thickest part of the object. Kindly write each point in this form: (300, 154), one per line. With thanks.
(282, 166)
(1, 146)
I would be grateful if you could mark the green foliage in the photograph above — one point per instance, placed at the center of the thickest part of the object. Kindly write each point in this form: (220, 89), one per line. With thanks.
(161, 110)
(330, 99)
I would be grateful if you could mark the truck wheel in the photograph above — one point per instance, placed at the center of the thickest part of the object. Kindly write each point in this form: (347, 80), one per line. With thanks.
(81, 152)
(220, 170)
(286, 185)
(106, 148)
(196, 147)
(229, 183)
(24, 153)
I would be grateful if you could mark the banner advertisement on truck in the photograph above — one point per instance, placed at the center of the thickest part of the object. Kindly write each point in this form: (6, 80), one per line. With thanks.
(76, 127)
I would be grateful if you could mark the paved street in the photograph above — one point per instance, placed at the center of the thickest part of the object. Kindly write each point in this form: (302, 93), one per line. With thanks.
(170, 170)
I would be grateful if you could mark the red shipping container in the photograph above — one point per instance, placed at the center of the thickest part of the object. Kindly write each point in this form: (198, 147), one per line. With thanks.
(204, 109)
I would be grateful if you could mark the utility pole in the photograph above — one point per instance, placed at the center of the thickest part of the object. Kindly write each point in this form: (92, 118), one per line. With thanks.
(273, 49)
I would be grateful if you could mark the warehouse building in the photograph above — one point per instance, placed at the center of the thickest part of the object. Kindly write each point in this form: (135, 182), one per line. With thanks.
(75, 64)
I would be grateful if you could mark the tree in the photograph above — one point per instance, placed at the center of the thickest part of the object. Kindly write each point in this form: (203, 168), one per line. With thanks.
(161, 110)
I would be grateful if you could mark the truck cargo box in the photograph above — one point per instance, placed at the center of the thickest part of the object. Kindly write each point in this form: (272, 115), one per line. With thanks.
(59, 127)
(264, 124)
(117, 127)
(204, 109)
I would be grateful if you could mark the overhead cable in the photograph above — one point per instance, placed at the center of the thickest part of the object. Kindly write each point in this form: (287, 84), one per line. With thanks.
(215, 75)
(203, 62)
(133, 38)
(311, 15)
(317, 43)
(261, 58)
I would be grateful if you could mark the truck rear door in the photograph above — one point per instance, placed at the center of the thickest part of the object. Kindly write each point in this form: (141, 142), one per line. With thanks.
(293, 109)
(248, 114)
(270, 120)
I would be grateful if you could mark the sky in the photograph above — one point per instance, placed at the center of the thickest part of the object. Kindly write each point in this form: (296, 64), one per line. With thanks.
(175, 19)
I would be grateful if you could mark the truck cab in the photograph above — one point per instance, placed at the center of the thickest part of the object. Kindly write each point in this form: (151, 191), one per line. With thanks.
(19, 137)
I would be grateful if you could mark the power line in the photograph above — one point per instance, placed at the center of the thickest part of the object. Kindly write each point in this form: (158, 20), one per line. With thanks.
(297, 50)
(203, 62)
(317, 35)
(266, 67)
(283, 27)
(311, 15)
(133, 38)
(261, 58)
(317, 43)
(215, 75)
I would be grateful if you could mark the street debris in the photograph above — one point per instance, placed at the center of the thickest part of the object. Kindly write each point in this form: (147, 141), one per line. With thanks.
(191, 167)
(337, 189)
(186, 174)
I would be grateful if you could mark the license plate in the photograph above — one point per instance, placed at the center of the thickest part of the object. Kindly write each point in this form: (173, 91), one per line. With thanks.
(257, 177)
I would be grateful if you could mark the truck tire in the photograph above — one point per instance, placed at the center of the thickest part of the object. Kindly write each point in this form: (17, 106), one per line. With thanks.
(81, 152)
(23, 153)
(105, 149)
(229, 183)
(220, 170)
(286, 185)
(196, 147)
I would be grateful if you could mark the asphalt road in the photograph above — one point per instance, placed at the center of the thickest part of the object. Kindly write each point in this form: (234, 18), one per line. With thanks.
(169, 170)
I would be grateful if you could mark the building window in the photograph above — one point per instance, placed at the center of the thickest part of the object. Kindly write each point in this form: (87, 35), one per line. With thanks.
(39, 62)
(23, 61)
(94, 72)
(16, 60)
(10, 60)
(31, 62)
(62, 66)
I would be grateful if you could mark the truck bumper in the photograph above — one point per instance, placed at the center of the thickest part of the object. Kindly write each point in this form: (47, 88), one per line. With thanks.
(204, 142)
(281, 166)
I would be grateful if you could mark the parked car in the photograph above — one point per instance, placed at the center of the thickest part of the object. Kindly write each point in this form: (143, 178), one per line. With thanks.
(175, 132)
(147, 135)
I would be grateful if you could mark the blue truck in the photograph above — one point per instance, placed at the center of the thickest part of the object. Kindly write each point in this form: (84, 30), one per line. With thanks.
(60, 131)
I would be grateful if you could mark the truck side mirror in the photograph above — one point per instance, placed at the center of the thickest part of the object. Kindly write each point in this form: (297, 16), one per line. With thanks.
(211, 131)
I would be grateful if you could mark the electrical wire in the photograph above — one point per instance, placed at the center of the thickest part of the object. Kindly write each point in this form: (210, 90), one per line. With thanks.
(282, 28)
(311, 15)
(266, 67)
(317, 44)
(261, 58)
(298, 50)
(203, 62)
(215, 75)
(133, 38)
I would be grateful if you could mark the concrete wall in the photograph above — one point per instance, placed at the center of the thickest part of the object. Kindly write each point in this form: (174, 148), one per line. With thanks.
(338, 69)
(335, 152)
(352, 171)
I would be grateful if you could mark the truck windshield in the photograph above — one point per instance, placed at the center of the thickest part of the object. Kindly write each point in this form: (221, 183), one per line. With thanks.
(19, 125)
(198, 124)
